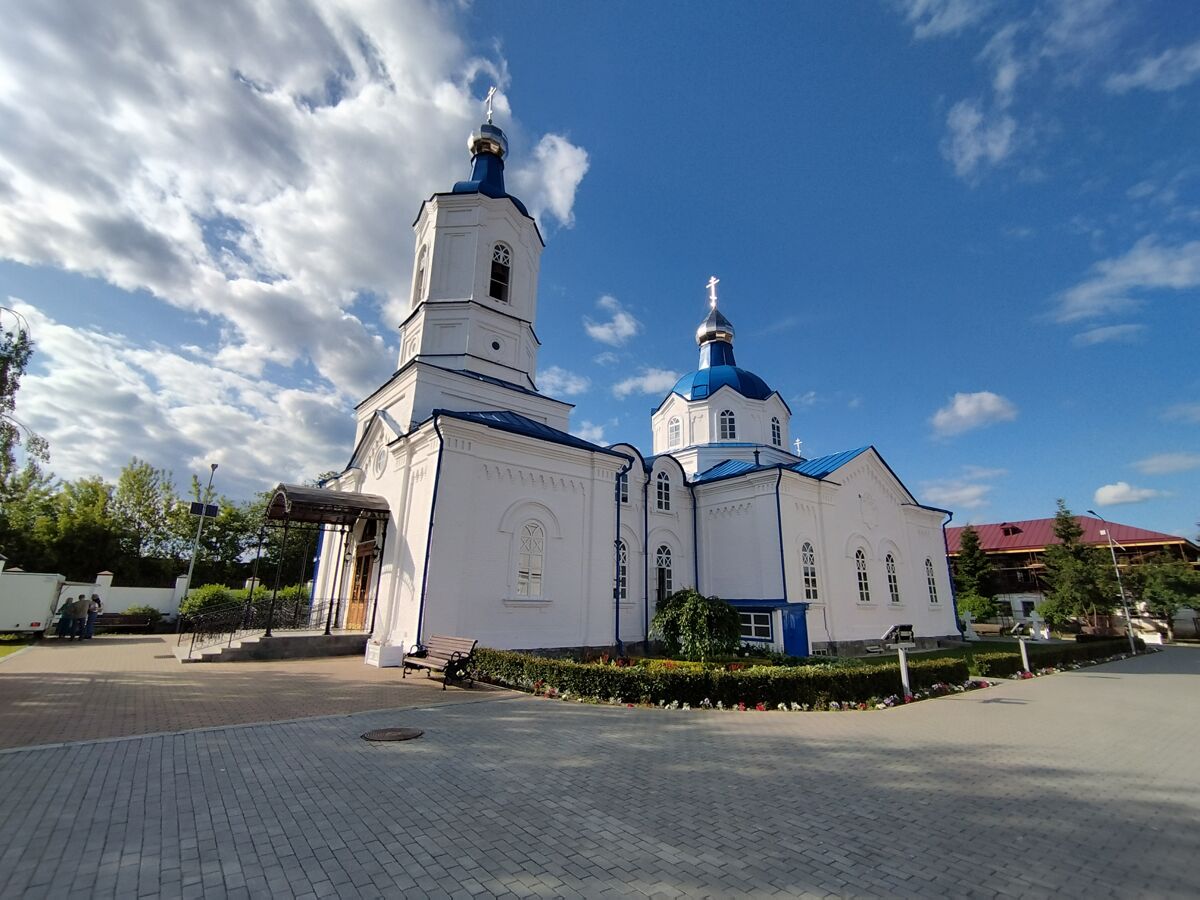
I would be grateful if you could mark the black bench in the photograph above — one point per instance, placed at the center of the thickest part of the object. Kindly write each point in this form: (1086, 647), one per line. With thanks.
(449, 655)
(122, 622)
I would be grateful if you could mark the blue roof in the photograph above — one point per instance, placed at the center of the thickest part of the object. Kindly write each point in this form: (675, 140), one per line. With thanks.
(515, 423)
(825, 465)
(726, 469)
(707, 381)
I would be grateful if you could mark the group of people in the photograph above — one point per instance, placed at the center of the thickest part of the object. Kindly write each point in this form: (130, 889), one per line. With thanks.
(78, 619)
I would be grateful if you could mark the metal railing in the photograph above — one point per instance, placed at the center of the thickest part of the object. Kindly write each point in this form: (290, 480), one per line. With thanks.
(234, 621)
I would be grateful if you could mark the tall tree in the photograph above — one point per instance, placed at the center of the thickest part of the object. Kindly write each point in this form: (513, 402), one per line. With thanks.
(1165, 584)
(16, 347)
(1080, 578)
(973, 570)
(27, 511)
(142, 505)
(83, 534)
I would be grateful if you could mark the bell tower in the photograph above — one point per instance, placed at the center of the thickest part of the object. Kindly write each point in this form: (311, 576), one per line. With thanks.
(474, 287)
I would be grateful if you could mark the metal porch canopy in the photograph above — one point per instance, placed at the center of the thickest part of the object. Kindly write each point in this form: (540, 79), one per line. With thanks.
(298, 503)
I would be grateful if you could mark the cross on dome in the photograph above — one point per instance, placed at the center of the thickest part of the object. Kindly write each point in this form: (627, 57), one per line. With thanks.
(490, 94)
(713, 281)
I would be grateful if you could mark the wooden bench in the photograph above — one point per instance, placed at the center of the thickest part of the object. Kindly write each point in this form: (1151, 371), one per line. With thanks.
(987, 628)
(449, 655)
(122, 622)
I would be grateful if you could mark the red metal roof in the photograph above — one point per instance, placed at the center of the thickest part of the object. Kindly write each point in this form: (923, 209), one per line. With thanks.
(1035, 534)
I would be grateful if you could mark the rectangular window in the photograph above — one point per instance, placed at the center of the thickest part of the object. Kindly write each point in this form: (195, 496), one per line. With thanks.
(623, 488)
(756, 626)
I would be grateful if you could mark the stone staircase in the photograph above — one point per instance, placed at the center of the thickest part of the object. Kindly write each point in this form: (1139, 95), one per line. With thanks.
(254, 646)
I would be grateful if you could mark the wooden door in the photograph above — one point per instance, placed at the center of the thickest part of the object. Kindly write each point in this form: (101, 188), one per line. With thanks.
(360, 586)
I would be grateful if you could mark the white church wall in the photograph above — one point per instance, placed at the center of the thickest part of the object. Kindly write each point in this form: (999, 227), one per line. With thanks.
(739, 532)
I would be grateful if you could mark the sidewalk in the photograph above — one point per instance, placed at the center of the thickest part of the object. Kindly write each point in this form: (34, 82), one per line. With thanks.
(117, 685)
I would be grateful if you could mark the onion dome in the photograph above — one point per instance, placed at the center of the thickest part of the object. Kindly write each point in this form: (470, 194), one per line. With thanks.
(488, 148)
(717, 368)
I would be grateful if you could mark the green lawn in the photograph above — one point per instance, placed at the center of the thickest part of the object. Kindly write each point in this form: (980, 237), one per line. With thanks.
(11, 643)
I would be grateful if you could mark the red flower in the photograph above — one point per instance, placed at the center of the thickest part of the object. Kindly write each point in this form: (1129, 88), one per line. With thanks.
(760, 707)
(741, 706)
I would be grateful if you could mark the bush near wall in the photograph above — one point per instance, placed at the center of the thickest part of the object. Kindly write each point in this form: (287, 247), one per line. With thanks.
(1004, 663)
(772, 685)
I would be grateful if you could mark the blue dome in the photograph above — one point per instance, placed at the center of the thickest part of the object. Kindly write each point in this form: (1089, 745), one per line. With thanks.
(488, 149)
(707, 381)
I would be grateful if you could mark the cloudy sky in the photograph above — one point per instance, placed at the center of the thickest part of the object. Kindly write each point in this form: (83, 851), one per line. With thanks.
(966, 232)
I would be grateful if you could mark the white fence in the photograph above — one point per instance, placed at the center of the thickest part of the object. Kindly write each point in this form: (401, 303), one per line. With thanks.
(118, 599)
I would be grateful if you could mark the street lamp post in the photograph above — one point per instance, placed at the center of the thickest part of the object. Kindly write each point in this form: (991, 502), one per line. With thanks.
(1120, 584)
(212, 469)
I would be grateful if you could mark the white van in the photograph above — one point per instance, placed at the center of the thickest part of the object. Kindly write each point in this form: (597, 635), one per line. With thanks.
(28, 600)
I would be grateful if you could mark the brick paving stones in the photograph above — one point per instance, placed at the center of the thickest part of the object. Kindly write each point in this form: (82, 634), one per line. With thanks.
(1075, 785)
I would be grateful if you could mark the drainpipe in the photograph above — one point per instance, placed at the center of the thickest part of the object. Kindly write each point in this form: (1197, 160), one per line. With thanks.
(646, 555)
(316, 573)
(949, 571)
(379, 548)
(779, 520)
(437, 478)
(617, 564)
(695, 543)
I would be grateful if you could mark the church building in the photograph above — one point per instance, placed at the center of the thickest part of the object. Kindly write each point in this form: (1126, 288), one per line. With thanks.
(475, 512)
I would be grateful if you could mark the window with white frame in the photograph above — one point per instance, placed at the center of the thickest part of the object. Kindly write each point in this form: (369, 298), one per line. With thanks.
(501, 273)
(530, 560)
(419, 280)
(776, 432)
(673, 432)
(622, 571)
(756, 626)
(662, 562)
(864, 586)
(728, 425)
(663, 491)
(931, 580)
(889, 563)
(808, 563)
(623, 487)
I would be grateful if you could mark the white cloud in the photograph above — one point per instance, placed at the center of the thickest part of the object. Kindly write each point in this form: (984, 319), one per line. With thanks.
(1168, 463)
(975, 138)
(558, 381)
(968, 490)
(547, 183)
(1116, 284)
(589, 431)
(607, 358)
(649, 381)
(808, 398)
(247, 168)
(100, 399)
(1105, 334)
(1169, 70)
(1184, 412)
(619, 328)
(1123, 492)
(936, 18)
(965, 412)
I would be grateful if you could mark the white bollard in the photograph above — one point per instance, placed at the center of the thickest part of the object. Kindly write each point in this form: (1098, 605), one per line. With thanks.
(1024, 655)
(904, 671)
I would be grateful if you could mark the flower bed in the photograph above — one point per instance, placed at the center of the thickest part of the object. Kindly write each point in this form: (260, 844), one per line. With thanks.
(1003, 664)
(768, 687)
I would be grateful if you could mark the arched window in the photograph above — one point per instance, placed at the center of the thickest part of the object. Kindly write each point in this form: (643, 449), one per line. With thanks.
(864, 586)
(419, 279)
(623, 487)
(808, 562)
(728, 427)
(530, 560)
(776, 432)
(663, 483)
(673, 432)
(662, 564)
(622, 571)
(501, 272)
(931, 580)
(893, 582)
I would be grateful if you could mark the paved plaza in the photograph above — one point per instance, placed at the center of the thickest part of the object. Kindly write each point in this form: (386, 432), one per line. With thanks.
(1080, 784)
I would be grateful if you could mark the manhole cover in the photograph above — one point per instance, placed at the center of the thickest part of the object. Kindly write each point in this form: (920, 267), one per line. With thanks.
(393, 734)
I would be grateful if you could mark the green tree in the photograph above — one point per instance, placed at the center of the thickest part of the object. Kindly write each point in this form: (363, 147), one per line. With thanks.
(977, 605)
(82, 533)
(16, 347)
(1080, 578)
(1165, 584)
(142, 504)
(697, 627)
(973, 570)
(27, 511)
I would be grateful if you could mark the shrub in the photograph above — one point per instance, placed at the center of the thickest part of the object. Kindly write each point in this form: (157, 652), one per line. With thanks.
(771, 685)
(142, 610)
(999, 664)
(697, 627)
(208, 597)
(978, 606)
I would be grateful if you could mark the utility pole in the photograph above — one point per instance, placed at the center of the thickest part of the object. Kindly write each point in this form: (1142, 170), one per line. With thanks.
(212, 469)
(1120, 584)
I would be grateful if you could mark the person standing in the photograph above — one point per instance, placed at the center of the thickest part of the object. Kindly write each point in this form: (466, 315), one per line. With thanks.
(94, 609)
(63, 629)
(79, 613)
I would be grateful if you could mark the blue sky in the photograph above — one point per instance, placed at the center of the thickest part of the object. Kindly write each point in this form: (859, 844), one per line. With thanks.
(965, 232)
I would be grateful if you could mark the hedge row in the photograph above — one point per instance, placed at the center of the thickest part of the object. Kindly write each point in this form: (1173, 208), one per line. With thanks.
(771, 685)
(1000, 664)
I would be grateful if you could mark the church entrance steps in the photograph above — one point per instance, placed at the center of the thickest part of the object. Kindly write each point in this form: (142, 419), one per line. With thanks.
(290, 645)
